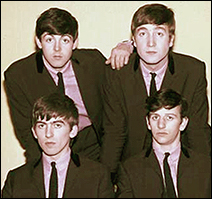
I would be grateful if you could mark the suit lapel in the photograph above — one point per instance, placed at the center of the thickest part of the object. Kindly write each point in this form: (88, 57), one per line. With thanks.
(184, 161)
(175, 75)
(38, 179)
(44, 75)
(133, 83)
(86, 84)
(153, 166)
(72, 173)
(153, 162)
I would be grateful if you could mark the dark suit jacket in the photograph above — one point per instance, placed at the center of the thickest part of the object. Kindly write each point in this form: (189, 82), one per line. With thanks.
(27, 79)
(126, 132)
(140, 176)
(85, 179)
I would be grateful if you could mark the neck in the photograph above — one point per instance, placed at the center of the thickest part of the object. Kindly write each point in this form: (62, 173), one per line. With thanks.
(155, 66)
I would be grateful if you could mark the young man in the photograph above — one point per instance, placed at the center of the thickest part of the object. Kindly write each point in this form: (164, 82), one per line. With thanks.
(153, 34)
(54, 125)
(144, 176)
(36, 75)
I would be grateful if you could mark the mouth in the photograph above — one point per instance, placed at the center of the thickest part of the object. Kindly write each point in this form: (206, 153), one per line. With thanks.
(162, 133)
(151, 52)
(57, 57)
(50, 144)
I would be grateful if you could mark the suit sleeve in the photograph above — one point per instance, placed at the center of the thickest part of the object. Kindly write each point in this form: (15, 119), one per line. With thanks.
(199, 131)
(7, 189)
(105, 186)
(124, 189)
(20, 111)
(114, 122)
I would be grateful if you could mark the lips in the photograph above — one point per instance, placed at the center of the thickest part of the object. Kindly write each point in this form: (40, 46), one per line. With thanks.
(57, 57)
(50, 144)
(162, 133)
(151, 52)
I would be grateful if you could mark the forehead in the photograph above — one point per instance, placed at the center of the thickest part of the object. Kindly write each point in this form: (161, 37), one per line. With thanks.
(163, 111)
(47, 34)
(152, 27)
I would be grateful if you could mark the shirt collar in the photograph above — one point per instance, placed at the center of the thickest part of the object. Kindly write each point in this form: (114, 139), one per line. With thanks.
(174, 153)
(160, 72)
(52, 70)
(61, 163)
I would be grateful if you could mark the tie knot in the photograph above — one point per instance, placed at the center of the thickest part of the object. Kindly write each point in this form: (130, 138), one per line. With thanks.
(53, 164)
(59, 74)
(153, 74)
(166, 155)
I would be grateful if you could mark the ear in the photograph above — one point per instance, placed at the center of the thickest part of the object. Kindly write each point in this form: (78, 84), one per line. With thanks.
(76, 42)
(34, 134)
(74, 131)
(147, 122)
(134, 43)
(184, 123)
(38, 42)
(171, 42)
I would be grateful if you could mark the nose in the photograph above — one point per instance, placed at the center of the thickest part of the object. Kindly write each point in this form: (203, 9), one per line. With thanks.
(57, 46)
(49, 132)
(161, 123)
(151, 40)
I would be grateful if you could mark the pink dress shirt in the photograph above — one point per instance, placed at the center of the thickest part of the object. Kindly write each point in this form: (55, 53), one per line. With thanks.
(62, 166)
(71, 90)
(147, 76)
(172, 160)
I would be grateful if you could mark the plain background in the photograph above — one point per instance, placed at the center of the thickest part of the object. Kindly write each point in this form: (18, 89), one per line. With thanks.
(102, 24)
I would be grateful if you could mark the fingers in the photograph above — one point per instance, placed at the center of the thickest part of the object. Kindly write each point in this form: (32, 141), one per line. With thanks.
(119, 56)
(126, 60)
(108, 61)
(113, 61)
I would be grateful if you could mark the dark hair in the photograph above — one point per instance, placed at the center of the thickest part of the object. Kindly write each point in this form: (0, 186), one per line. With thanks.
(153, 14)
(166, 98)
(56, 21)
(55, 105)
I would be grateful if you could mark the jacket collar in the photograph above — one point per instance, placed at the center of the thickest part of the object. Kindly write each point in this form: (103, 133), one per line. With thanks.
(183, 149)
(170, 64)
(75, 158)
(40, 64)
(39, 61)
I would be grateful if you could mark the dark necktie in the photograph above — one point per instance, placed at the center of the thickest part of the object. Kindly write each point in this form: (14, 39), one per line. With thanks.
(60, 83)
(53, 190)
(169, 189)
(153, 88)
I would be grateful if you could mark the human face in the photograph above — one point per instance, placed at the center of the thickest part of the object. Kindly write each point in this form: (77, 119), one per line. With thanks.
(57, 49)
(166, 125)
(54, 136)
(153, 43)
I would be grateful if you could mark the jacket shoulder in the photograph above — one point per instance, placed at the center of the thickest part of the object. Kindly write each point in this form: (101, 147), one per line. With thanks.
(21, 65)
(81, 53)
(186, 58)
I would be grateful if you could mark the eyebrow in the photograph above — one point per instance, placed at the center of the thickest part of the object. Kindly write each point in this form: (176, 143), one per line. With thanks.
(48, 34)
(173, 114)
(45, 122)
(156, 28)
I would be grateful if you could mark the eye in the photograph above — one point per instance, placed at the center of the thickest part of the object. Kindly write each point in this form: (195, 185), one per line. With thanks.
(65, 41)
(154, 117)
(57, 125)
(142, 34)
(49, 40)
(160, 33)
(169, 118)
(40, 125)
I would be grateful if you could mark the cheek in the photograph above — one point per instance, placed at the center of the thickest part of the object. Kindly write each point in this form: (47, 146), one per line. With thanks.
(67, 50)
